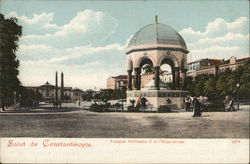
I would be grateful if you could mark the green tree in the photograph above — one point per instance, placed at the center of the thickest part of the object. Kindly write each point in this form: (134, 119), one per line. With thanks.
(210, 87)
(244, 79)
(10, 32)
(222, 85)
(29, 95)
(217, 87)
(199, 84)
(188, 84)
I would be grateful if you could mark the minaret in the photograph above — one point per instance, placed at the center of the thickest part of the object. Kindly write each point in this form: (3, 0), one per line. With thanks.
(62, 87)
(56, 90)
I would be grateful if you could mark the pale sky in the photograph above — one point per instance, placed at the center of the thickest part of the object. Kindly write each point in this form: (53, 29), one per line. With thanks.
(87, 39)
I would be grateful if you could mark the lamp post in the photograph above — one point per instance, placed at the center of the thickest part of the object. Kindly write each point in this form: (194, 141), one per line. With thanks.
(122, 98)
(14, 100)
(237, 90)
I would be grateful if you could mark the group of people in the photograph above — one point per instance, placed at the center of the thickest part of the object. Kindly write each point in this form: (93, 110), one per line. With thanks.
(141, 102)
(193, 104)
(57, 104)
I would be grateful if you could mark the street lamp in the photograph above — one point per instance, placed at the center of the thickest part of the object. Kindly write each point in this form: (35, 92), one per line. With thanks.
(237, 90)
(14, 100)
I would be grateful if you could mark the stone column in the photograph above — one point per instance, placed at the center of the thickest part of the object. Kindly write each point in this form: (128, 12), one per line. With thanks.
(139, 79)
(129, 80)
(183, 76)
(173, 79)
(136, 82)
(157, 77)
(177, 77)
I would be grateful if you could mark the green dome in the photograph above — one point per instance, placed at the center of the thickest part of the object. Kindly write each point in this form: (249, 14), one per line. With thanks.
(157, 33)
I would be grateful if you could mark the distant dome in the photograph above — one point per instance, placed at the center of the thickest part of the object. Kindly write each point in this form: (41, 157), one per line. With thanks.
(156, 34)
(47, 84)
(151, 85)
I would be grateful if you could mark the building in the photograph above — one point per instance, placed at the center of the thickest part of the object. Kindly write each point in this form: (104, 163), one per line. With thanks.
(214, 66)
(232, 64)
(194, 66)
(156, 44)
(51, 93)
(117, 82)
(76, 95)
(48, 92)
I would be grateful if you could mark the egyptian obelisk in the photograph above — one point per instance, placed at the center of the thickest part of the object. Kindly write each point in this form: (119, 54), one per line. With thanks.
(62, 87)
(56, 90)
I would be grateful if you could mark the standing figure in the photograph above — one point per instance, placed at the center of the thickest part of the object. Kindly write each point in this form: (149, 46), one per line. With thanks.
(54, 103)
(60, 104)
(137, 102)
(143, 103)
(231, 105)
(187, 103)
(196, 107)
(168, 100)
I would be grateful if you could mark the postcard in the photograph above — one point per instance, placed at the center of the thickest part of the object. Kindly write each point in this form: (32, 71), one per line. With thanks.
(124, 81)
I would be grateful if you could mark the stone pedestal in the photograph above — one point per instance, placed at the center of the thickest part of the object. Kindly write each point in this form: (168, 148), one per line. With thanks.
(157, 98)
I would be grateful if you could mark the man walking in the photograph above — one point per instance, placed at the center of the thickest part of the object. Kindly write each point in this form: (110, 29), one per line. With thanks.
(197, 107)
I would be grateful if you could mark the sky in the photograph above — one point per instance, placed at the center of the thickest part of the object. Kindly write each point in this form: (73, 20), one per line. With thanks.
(87, 39)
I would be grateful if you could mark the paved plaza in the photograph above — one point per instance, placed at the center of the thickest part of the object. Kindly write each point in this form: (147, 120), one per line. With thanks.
(72, 122)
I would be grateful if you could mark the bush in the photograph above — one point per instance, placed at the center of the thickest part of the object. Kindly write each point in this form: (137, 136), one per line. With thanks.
(164, 108)
(99, 107)
(133, 109)
(213, 107)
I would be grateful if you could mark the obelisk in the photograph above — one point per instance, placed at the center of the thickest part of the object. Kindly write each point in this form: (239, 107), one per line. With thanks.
(62, 87)
(56, 90)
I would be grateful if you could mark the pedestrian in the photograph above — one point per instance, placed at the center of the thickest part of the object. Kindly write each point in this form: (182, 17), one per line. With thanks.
(226, 103)
(143, 103)
(60, 104)
(187, 103)
(168, 100)
(231, 105)
(196, 107)
(54, 103)
(137, 102)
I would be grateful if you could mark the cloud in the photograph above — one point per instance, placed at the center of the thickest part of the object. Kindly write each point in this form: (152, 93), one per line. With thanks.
(87, 27)
(37, 24)
(77, 48)
(85, 66)
(216, 52)
(225, 39)
(85, 76)
(69, 56)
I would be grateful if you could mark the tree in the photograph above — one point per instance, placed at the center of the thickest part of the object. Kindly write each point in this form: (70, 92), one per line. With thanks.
(199, 84)
(244, 80)
(222, 85)
(210, 87)
(188, 84)
(29, 96)
(217, 87)
(10, 32)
